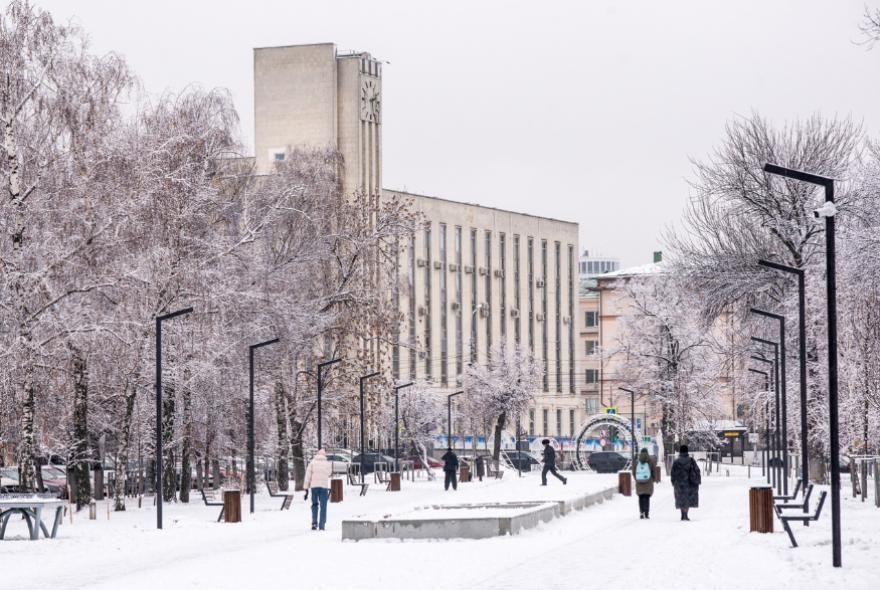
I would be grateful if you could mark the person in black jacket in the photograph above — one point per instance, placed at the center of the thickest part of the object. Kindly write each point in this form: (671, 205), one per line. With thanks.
(481, 467)
(550, 464)
(450, 468)
(686, 481)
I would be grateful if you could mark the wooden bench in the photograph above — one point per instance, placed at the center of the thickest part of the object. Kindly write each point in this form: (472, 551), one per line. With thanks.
(793, 495)
(804, 518)
(214, 498)
(354, 482)
(804, 506)
(274, 492)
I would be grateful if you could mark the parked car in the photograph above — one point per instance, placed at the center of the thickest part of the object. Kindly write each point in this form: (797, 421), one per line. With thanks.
(419, 464)
(370, 460)
(606, 461)
(339, 462)
(521, 460)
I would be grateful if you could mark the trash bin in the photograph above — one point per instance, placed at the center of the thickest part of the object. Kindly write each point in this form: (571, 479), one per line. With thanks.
(232, 505)
(464, 472)
(761, 509)
(624, 483)
(335, 490)
(394, 482)
(657, 473)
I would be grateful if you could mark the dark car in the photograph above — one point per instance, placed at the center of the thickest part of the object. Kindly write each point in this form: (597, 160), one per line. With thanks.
(370, 460)
(419, 464)
(521, 460)
(606, 461)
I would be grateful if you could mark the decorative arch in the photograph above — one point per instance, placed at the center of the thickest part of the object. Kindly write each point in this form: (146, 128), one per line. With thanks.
(597, 421)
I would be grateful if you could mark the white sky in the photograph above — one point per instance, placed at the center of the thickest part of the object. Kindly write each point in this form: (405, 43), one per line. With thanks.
(586, 111)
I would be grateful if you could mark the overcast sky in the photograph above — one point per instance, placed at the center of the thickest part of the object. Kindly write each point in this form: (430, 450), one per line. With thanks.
(587, 111)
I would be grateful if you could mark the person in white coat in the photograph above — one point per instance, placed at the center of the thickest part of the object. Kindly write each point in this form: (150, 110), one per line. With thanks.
(318, 482)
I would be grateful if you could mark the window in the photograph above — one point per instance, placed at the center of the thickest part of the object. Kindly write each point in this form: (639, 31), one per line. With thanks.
(516, 301)
(444, 332)
(545, 325)
(502, 262)
(571, 423)
(557, 283)
(488, 302)
(530, 264)
(592, 406)
(592, 376)
(428, 334)
(413, 348)
(591, 319)
(545, 415)
(571, 318)
(459, 356)
(474, 303)
(590, 348)
(558, 423)
(531, 422)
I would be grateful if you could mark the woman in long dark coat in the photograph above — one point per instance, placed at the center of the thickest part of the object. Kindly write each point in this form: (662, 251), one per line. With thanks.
(686, 481)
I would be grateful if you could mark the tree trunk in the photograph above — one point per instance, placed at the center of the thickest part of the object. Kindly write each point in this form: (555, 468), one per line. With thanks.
(26, 459)
(499, 427)
(186, 448)
(125, 445)
(81, 451)
(215, 477)
(283, 446)
(169, 478)
(298, 455)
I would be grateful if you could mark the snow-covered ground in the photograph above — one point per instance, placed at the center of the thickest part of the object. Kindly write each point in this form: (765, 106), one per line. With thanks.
(603, 546)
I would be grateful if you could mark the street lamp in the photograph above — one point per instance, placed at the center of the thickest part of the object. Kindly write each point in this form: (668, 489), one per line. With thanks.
(251, 472)
(773, 441)
(449, 416)
(802, 354)
(320, 390)
(159, 320)
(363, 430)
(827, 210)
(780, 444)
(632, 418)
(782, 395)
(397, 424)
(765, 470)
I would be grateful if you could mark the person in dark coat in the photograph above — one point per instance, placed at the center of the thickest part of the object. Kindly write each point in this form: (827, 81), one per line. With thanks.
(686, 481)
(644, 467)
(450, 468)
(481, 467)
(550, 463)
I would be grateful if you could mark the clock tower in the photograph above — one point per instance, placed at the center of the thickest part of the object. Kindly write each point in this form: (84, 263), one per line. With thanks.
(314, 96)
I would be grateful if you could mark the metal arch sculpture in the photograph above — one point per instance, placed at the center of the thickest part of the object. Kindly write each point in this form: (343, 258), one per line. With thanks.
(600, 420)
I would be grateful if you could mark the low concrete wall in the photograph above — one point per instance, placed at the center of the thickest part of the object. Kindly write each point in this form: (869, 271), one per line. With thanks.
(479, 527)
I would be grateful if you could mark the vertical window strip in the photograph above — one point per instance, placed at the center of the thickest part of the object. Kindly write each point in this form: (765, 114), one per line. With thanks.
(459, 338)
(428, 302)
(557, 287)
(545, 332)
(517, 335)
(571, 263)
(474, 302)
(444, 305)
(488, 313)
(413, 344)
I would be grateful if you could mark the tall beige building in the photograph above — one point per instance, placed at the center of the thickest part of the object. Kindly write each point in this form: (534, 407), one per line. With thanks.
(472, 276)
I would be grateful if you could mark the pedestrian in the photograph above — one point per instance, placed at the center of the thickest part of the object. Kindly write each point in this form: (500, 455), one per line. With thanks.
(550, 463)
(686, 482)
(643, 471)
(481, 467)
(318, 481)
(450, 468)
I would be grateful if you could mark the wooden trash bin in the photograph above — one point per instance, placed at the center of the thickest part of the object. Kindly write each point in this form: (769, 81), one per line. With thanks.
(232, 505)
(394, 482)
(657, 473)
(761, 509)
(624, 483)
(335, 490)
(464, 472)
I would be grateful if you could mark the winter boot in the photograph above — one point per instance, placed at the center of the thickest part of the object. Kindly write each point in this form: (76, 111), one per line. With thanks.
(641, 515)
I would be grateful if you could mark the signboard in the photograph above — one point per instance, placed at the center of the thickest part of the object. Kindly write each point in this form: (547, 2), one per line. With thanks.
(753, 438)
(639, 423)
(646, 438)
(611, 410)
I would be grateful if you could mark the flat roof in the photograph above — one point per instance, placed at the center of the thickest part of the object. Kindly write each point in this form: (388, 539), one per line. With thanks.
(465, 203)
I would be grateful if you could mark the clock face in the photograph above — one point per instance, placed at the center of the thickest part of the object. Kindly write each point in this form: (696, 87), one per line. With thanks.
(370, 100)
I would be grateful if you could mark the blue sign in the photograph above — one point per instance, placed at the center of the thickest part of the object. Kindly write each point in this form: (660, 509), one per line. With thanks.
(639, 423)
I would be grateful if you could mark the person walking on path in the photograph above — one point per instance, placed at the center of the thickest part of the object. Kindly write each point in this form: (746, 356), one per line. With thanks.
(481, 467)
(450, 467)
(686, 481)
(643, 471)
(550, 464)
(317, 481)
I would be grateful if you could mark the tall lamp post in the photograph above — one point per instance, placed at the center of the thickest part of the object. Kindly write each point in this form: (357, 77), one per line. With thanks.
(363, 429)
(632, 418)
(397, 423)
(767, 419)
(802, 357)
(782, 395)
(774, 440)
(320, 391)
(781, 445)
(827, 210)
(449, 416)
(251, 468)
(159, 449)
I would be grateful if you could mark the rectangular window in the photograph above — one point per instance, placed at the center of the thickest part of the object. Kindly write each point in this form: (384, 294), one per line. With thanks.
(571, 423)
(592, 406)
(530, 264)
(474, 303)
(516, 292)
(532, 422)
(545, 325)
(459, 338)
(558, 423)
(444, 304)
(571, 263)
(413, 318)
(395, 349)
(590, 347)
(545, 415)
(428, 335)
(591, 319)
(488, 302)
(592, 376)
(557, 283)
(502, 262)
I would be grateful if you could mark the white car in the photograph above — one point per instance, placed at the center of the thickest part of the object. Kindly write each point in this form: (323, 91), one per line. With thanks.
(339, 462)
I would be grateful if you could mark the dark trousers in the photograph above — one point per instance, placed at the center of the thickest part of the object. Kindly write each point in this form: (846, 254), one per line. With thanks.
(319, 500)
(450, 479)
(644, 503)
(551, 469)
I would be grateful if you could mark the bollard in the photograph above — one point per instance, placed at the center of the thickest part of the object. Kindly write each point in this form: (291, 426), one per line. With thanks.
(864, 466)
(93, 510)
(877, 483)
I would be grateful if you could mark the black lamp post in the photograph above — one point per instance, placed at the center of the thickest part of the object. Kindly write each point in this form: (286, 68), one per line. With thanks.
(782, 395)
(363, 429)
(802, 357)
(449, 416)
(780, 444)
(766, 417)
(251, 470)
(397, 424)
(159, 320)
(320, 391)
(774, 440)
(827, 210)
(632, 412)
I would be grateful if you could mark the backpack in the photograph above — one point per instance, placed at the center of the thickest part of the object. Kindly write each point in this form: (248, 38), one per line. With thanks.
(643, 472)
